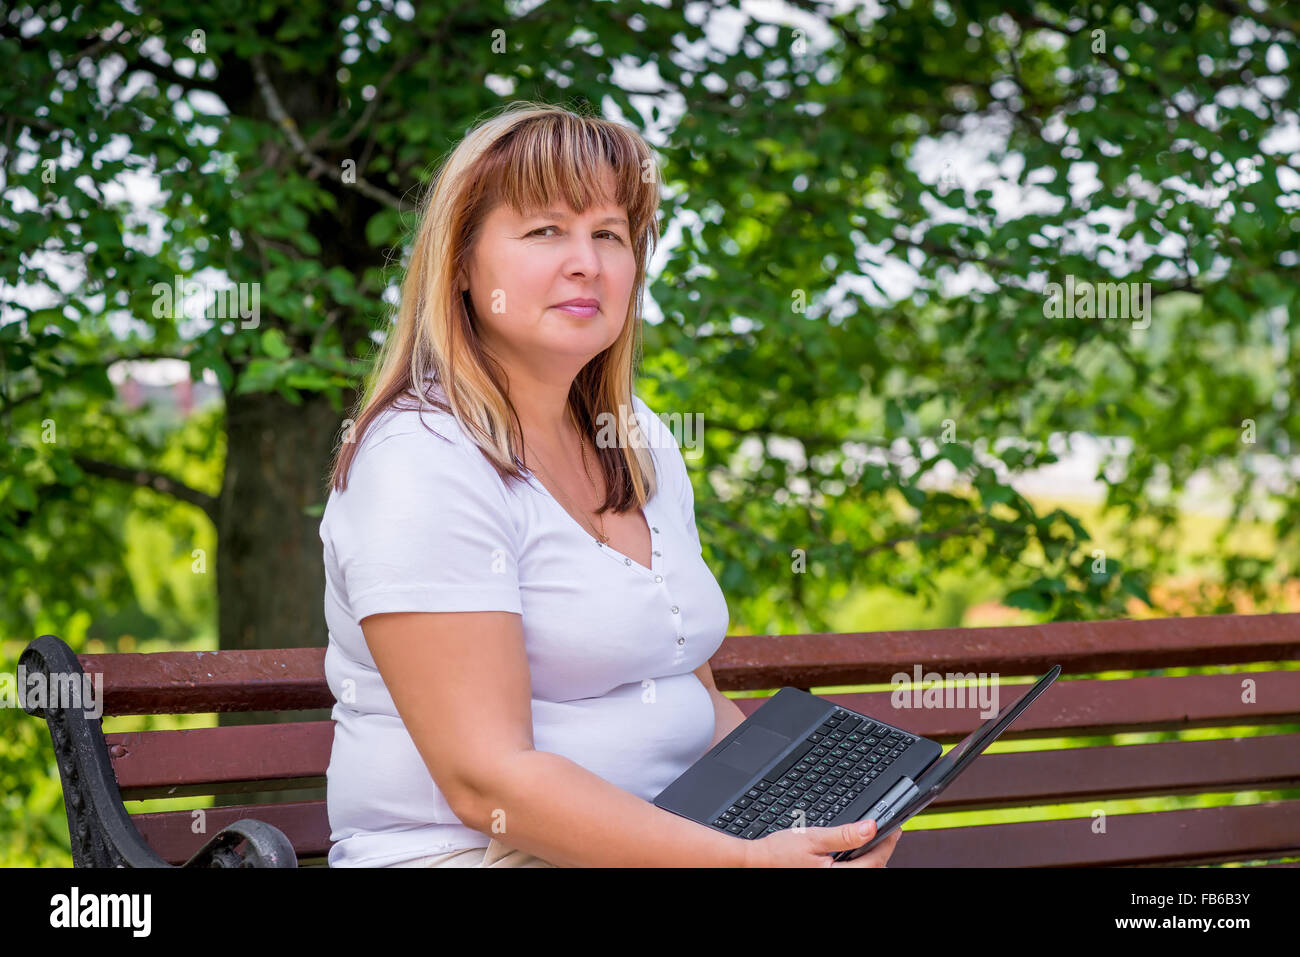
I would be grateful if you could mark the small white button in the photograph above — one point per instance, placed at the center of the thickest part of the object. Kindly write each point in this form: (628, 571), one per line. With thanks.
(674, 609)
(659, 578)
(657, 555)
(681, 640)
(655, 530)
(627, 561)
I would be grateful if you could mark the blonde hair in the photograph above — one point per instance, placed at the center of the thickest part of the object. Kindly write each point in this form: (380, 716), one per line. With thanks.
(526, 156)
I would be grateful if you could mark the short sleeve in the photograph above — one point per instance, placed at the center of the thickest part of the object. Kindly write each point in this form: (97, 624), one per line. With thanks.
(422, 526)
(668, 455)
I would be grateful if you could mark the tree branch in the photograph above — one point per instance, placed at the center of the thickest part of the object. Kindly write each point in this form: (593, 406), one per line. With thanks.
(135, 60)
(1236, 9)
(113, 44)
(938, 534)
(286, 123)
(104, 362)
(372, 107)
(149, 478)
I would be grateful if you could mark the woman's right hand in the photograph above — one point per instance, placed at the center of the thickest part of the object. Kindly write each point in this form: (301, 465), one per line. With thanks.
(813, 847)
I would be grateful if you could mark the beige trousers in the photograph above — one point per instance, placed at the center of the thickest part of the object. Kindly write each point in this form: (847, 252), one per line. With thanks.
(495, 854)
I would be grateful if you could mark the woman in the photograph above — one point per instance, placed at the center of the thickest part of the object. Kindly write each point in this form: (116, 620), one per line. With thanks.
(520, 617)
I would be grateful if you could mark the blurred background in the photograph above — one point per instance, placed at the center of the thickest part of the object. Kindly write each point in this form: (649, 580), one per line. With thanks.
(964, 313)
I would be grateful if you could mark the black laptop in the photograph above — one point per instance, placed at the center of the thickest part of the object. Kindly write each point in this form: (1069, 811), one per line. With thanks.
(799, 752)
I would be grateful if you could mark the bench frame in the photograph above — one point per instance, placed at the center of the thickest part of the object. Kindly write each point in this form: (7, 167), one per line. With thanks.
(101, 831)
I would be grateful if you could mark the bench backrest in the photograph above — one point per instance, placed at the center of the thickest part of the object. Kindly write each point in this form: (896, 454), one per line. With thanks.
(295, 755)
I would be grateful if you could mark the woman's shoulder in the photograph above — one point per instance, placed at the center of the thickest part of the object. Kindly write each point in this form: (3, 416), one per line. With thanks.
(408, 420)
(419, 437)
(411, 461)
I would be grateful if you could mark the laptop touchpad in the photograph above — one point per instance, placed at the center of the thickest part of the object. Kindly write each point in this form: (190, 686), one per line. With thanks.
(754, 748)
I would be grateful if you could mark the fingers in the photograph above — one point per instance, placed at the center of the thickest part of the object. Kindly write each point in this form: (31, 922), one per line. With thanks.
(877, 856)
(848, 836)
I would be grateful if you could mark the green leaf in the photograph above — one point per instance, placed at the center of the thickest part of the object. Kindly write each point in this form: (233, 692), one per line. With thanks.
(1030, 599)
(261, 375)
(958, 454)
(68, 471)
(273, 344)
(893, 416)
(21, 494)
(310, 381)
(383, 228)
(1130, 586)
(222, 370)
(96, 381)
(289, 395)
(1080, 532)
(915, 496)
(993, 492)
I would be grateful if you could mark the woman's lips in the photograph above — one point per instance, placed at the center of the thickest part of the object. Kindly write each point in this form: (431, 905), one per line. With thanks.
(583, 312)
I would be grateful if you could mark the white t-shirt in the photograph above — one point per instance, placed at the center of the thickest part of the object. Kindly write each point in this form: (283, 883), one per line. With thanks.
(427, 524)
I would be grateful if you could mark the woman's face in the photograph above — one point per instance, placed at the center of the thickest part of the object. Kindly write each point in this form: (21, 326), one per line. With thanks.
(523, 267)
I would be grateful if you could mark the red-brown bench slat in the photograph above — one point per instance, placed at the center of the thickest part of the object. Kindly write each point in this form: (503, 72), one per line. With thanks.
(198, 682)
(1080, 647)
(170, 834)
(1071, 775)
(254, 757)
(182, 682)
(1093, 706)
(204, 761)
(1211, 835)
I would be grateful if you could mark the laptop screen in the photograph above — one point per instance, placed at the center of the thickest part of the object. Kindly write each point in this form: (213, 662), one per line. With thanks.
(968, 749)
(946, 769)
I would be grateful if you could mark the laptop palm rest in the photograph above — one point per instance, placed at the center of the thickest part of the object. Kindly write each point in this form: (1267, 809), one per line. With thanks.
(753, 749)
(781, 721)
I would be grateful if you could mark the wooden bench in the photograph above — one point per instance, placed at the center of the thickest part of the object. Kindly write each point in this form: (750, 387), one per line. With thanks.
(99, 771)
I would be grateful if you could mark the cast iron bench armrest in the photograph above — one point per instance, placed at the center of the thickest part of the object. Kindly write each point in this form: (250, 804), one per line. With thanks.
(99, 828)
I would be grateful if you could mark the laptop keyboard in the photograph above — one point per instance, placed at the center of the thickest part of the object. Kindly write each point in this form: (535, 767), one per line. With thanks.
(821, 776)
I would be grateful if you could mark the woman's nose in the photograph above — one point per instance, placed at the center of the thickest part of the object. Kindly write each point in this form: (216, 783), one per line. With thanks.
(583, 256)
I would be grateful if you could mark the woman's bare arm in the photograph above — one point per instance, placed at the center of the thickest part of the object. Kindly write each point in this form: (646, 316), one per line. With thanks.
(461, 684)
(564, 814)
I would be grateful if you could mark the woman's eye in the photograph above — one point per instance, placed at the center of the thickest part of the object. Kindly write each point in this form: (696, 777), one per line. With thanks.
(615, 236)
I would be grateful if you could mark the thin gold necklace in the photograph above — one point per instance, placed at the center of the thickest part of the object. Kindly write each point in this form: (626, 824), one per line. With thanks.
(601, 537)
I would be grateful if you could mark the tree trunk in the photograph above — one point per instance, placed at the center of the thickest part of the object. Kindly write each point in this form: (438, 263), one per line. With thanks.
(270, 568)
